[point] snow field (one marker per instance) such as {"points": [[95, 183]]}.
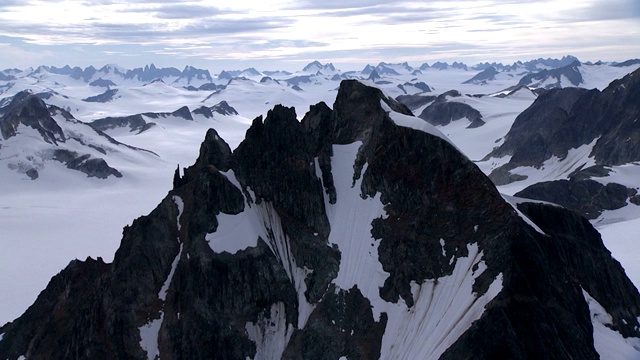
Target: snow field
{"points": [[609, 344]]}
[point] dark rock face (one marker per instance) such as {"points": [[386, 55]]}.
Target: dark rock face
{"points": [[134, 123], [483, 77], [104, 97], [102, 83], [85, 163], [587, 197], [564, 119], [279, 298], [29, 110], [571, 72], [86, 74], [442, 112], [414, 102], [184, 113], [151, 72], [223, 108]]}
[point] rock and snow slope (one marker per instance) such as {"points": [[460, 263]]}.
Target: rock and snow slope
{"points": [[364, 238]]}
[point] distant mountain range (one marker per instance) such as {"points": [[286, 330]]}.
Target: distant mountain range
{"points": [[359, 231], [472, 142]]}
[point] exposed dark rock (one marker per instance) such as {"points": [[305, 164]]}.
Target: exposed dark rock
{"points": [[184, 113], [588, 197], [629, 62], [543, 129], [150, 73], [414, 102], [93, 167], [590, 172], [102, 83], [134, 122], [106, 96], [373, 76], [190, 73], [32, 173], [211, 87], [29, 110], [422, 86], [341, 325], [575, 246], [440, 65], [571, 72], [441, 112], [483, 77], [564, 119], [297, 80], [204, 111], [503, 176], [223, 108], [318, 125], [85, 74]]}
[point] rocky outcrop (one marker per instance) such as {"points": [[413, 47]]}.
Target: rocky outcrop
{"points": [[483, 77], [543, 129], [106, 96], [414, 102], [29, 110], [223, 108], [588, 197], [135, 123], [93, 167], [570, 72], [563, 119], [343, 235], [441, 112], [61, 138], [100, 82]]}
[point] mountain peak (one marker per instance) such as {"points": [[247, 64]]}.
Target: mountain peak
{"points": [[347, 234]]}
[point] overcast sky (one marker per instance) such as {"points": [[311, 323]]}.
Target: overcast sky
{"points": [[273, 34]]}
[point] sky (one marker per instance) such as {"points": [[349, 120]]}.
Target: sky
{"points": [[286, 35]]}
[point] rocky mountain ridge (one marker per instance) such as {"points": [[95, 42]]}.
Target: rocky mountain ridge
{"points": [[604, 124], [60, 137], [325, 238]]}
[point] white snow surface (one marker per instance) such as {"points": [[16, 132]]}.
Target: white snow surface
{"points": [[514, 201], [623, 240], [414, 123], [180, 204], [149, 337], [609, 344], [237, 232], [162, 295], [271, 334]]}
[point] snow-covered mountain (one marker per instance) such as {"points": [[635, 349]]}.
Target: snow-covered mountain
{"points": [[89, 213], [35, 137], [572, 147], [358, 232]]}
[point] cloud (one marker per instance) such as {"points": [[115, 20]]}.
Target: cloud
{"points": [[172, 10], [278, 29]]}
